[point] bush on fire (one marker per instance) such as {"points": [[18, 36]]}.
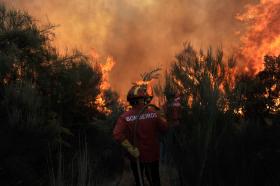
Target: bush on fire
{"points": [[47, 107], [229, 132], [230, 123]]}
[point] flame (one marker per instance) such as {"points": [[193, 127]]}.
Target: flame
{"points": [[106, 68], [277, 102], [141, 82], [178, 83], [239, 112], [94, 54], [262, 36]]}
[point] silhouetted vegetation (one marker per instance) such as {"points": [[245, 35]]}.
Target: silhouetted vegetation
{"points": [[51, 132], [229, 131], [47, 107]]}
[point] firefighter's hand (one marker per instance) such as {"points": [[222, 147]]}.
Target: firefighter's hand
{"points": [[162, 114], [133, 151]]}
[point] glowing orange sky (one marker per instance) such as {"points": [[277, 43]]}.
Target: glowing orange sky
{"points": [[138, 34]]}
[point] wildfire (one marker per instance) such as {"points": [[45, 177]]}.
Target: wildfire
{"points": [[263, 34], [106, 68], [277, 102], [178, 83], [239, 112], [94, 54]]}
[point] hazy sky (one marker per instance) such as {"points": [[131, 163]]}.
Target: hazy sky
{"points": [[139, 34]]}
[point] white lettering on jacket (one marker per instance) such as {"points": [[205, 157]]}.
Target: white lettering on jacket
{"points": [[142, 117]]}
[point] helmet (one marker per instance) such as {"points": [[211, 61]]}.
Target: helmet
{"points": [[140, 91]]}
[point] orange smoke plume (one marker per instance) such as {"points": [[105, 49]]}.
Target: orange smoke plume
{"points": [[262, 36], [140, 34]]}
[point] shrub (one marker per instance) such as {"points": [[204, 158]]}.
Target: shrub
{"points": [[220, 141]]}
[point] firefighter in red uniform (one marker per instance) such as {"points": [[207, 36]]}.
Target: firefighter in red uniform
{"points": [[173, 110], [138, 131]]}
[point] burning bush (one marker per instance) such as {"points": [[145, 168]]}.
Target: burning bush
{"points": [[47, 100], [228, 127]]}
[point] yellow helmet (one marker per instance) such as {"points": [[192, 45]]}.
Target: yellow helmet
{"points": [[140, 91]]}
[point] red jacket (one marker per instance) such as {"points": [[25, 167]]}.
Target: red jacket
{"points": [[173, 112], [149, 127]]}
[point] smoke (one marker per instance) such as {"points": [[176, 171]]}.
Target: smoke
{"points": [[138, 34]]}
